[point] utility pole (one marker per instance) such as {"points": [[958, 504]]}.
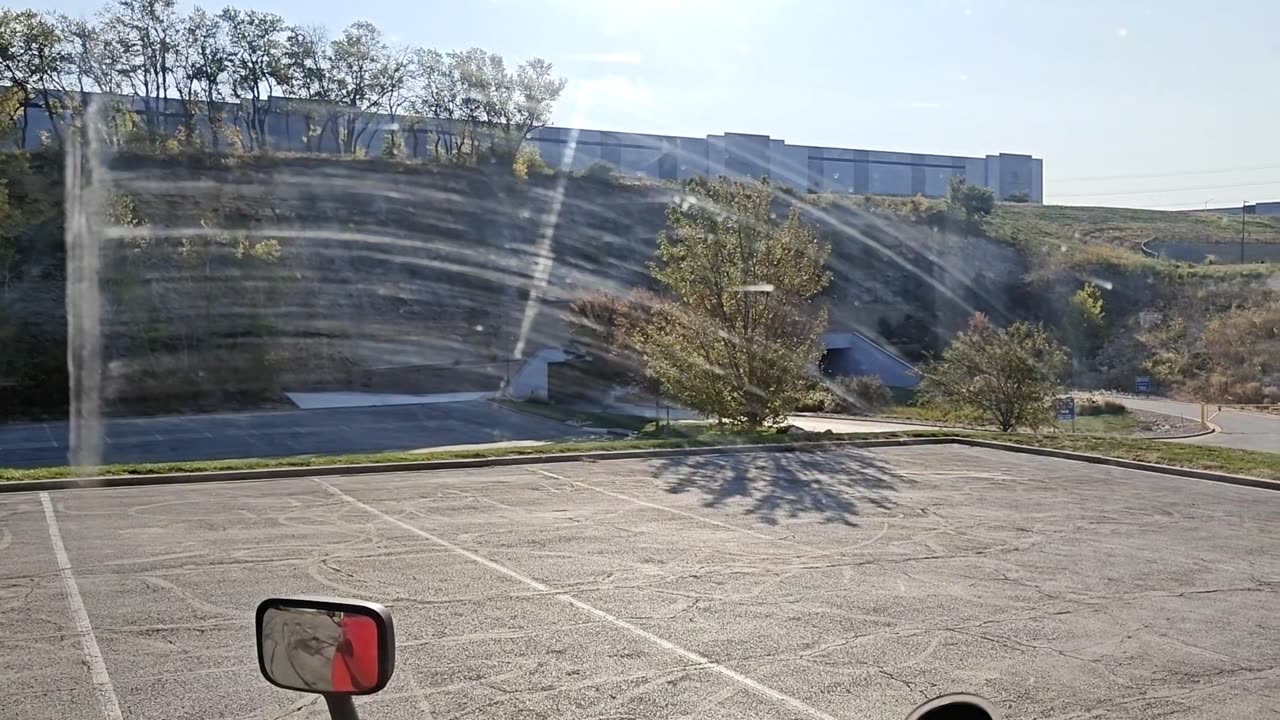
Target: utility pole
{"points": [[1243, 206]]}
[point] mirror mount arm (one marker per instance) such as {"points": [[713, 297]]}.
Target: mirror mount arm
{"points": [[341, 707]]}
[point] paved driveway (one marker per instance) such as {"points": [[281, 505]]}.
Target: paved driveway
{"points": [[843, 585], [290, 432], [1245, 430]]}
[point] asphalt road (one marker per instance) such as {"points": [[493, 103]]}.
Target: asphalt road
{"points": [[275, 434], [1245, 430], [846, 584]]}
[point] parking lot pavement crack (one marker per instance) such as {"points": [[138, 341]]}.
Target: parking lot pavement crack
{"points": [[1003, 640], [296, 708]]}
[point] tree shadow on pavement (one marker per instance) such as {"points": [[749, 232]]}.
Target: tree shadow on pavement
{"points": [[773, 486]]}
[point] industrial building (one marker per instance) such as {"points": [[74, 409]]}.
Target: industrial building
{"points": [[803, 168]]}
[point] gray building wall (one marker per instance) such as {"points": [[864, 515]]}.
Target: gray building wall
{"points": [[664, 157]]}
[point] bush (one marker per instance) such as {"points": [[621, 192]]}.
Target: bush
{"points": [[974, 202], [1104, 407], [863, 392], [599, 171], [529, 162], [1003, 377], [818, 398], [1018, 197]]}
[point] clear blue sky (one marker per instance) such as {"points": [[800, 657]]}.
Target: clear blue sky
{"points": [[1165, 88]]}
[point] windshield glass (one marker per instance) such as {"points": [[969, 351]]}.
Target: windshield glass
{"points": [[643, 359]]}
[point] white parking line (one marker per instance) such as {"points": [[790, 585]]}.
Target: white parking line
{"points": [[88, 642], [690, 655]]}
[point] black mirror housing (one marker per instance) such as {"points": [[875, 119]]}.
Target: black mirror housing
{"points": [[325, 645]]}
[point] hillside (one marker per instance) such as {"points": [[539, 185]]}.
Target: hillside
{"points": [[226, 280]]}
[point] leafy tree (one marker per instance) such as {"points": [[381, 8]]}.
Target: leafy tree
{"points": [[203, 67], [534, 93], [309, 79], [33, 58], [1005, 377], [256, 64], [740, 335], [472, 104], [1086, 326], [367, 76], [94, 59], [146, 35], [973, 202]]}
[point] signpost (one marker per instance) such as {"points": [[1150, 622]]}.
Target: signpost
{"points": [[1143, 384], [1067, 410]]}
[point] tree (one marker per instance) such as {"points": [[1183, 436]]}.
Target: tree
{"points": [[1006, 377], [256, 64], [973, 202], [145, 34], [33, 60], [528, 108], [309, 79], [1085, 324], [740, 334], [471, 104], [366, 74], [203, 64]]}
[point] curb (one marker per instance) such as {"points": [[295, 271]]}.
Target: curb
{"points": [[544, 418], [116, 481], [1209, 430], [1209, 475], [886, 419]]}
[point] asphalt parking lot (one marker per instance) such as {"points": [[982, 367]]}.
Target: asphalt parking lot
{"points": [[850, 584]]}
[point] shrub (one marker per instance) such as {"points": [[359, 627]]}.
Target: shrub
{"points": [[1004, 377], [528, 161], [863, 392], [599, 171], [818, 398], [974, 202], [1018, 197], [1104, 407]]}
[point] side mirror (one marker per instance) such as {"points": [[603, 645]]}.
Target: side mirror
{"points": [[956, 707], [325, 645]]}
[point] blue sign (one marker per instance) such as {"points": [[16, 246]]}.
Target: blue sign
{"points": [[1143, 384], [1067, 408]]}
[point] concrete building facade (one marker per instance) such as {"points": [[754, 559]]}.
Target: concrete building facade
{"points": [[804, 168], [290, 126]]}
